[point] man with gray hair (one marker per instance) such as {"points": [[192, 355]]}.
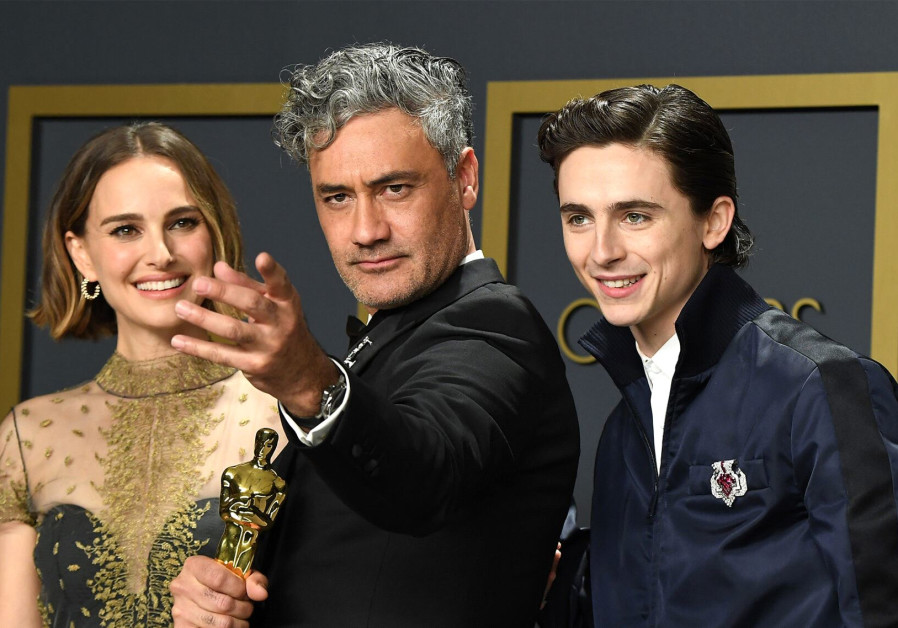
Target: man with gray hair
{"points": [[431, 469]]}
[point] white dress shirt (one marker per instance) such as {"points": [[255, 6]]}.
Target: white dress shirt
{"points": [[659, 369]]}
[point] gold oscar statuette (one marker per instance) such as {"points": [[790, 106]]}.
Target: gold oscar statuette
{"points": [[251, 495]]}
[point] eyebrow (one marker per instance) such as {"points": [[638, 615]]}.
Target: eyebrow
{"points": [[636, 203], [569, 208], [183, 209], [618, 206], [384, 179]]}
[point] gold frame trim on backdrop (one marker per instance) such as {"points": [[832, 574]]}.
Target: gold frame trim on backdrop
{"points": [[725, 93], [26, 103]]}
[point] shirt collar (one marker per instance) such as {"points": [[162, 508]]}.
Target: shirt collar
{"points": [[665, 358], [478, 254]]}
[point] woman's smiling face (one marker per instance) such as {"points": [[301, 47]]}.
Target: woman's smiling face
{"points": [[145, 240]]}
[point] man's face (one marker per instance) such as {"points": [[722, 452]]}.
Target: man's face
{"points": [[396, 224], [633, 238]]}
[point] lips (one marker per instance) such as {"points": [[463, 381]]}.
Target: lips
{"points": [[377, 264], [158, 286]]}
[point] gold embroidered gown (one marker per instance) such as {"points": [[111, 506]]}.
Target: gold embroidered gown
{"points": [[121, 477]]}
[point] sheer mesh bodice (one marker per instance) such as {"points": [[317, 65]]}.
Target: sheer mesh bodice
{"points": [[121, 478]]}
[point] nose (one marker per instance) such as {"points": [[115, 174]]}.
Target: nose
{"points": [[369, 224], [608, 245], [160, 250]]}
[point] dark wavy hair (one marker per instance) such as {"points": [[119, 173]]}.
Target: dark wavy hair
{"points": [[673, 123]]}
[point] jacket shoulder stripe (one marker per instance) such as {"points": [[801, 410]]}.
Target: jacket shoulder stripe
{"points": [[866, 471]]}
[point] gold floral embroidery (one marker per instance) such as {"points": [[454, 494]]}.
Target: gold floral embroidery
{"points": [[155, 448], [153, 457], [168, 375], [242, 398], [45, 612], [243, 422], [46, 422], [150, 607], [14, 502], [155, 451]]}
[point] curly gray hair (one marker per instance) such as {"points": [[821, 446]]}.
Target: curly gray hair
{"points": [[370, 78]]}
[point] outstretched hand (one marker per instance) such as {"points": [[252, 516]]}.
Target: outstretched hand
{"points": [[273, 346]]}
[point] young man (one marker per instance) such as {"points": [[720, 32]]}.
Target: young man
{"points": [[430, 470], [748, 477]]}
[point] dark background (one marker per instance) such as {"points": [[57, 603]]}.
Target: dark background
{"points": [[806, 177]]}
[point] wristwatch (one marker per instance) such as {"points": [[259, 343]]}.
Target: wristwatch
{"points": [[331, 397]]}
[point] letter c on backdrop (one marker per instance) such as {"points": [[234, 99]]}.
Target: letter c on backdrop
{"points": [[562, 330]]}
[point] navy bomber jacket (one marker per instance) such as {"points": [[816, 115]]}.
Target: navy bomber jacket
{"points": [[775, 505]]}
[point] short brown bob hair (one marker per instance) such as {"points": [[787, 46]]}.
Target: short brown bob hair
{"points": [[61, 307]]}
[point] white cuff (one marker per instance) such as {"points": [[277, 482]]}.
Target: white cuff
{"points": [[317, 434]]}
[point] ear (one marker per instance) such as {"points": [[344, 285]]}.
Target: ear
{"points": [[80, 256], [718, 221], [466, 176]]}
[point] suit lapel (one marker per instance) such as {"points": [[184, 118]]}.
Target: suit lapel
{"points": [[389, 324]]}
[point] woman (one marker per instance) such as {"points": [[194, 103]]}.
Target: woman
{"points": [[106, 488]]}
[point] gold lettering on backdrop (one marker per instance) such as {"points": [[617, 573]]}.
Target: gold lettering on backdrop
{"points": [[777, 304], [577, 358], [798, 306], [803, 303], [562, 330]]}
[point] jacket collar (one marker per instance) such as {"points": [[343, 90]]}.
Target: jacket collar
{"points": [[720, 306], [388, 324]]}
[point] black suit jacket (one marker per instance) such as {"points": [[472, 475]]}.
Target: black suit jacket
{"points": [[438, 497]]}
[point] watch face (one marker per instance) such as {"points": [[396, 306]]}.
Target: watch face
{"points": [[331, 397]]}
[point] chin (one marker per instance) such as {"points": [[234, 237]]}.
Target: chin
{"points": [[618, 319]]}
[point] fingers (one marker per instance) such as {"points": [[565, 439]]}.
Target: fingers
{"points": [[277, 283], [221, 325], [274, 348], [256, 586], [553, 572], [206, 593], [238, 291], [225, 273]]}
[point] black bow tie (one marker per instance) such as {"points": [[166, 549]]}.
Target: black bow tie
{"points": [[355, 329]]}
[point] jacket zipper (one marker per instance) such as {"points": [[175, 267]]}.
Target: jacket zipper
{"points": [[648, 448]]}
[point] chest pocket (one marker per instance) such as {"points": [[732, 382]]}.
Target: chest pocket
{"points": [[702, 475]]}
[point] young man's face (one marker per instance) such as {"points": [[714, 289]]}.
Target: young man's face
{"points": [[633, 238], [396, 224]]}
